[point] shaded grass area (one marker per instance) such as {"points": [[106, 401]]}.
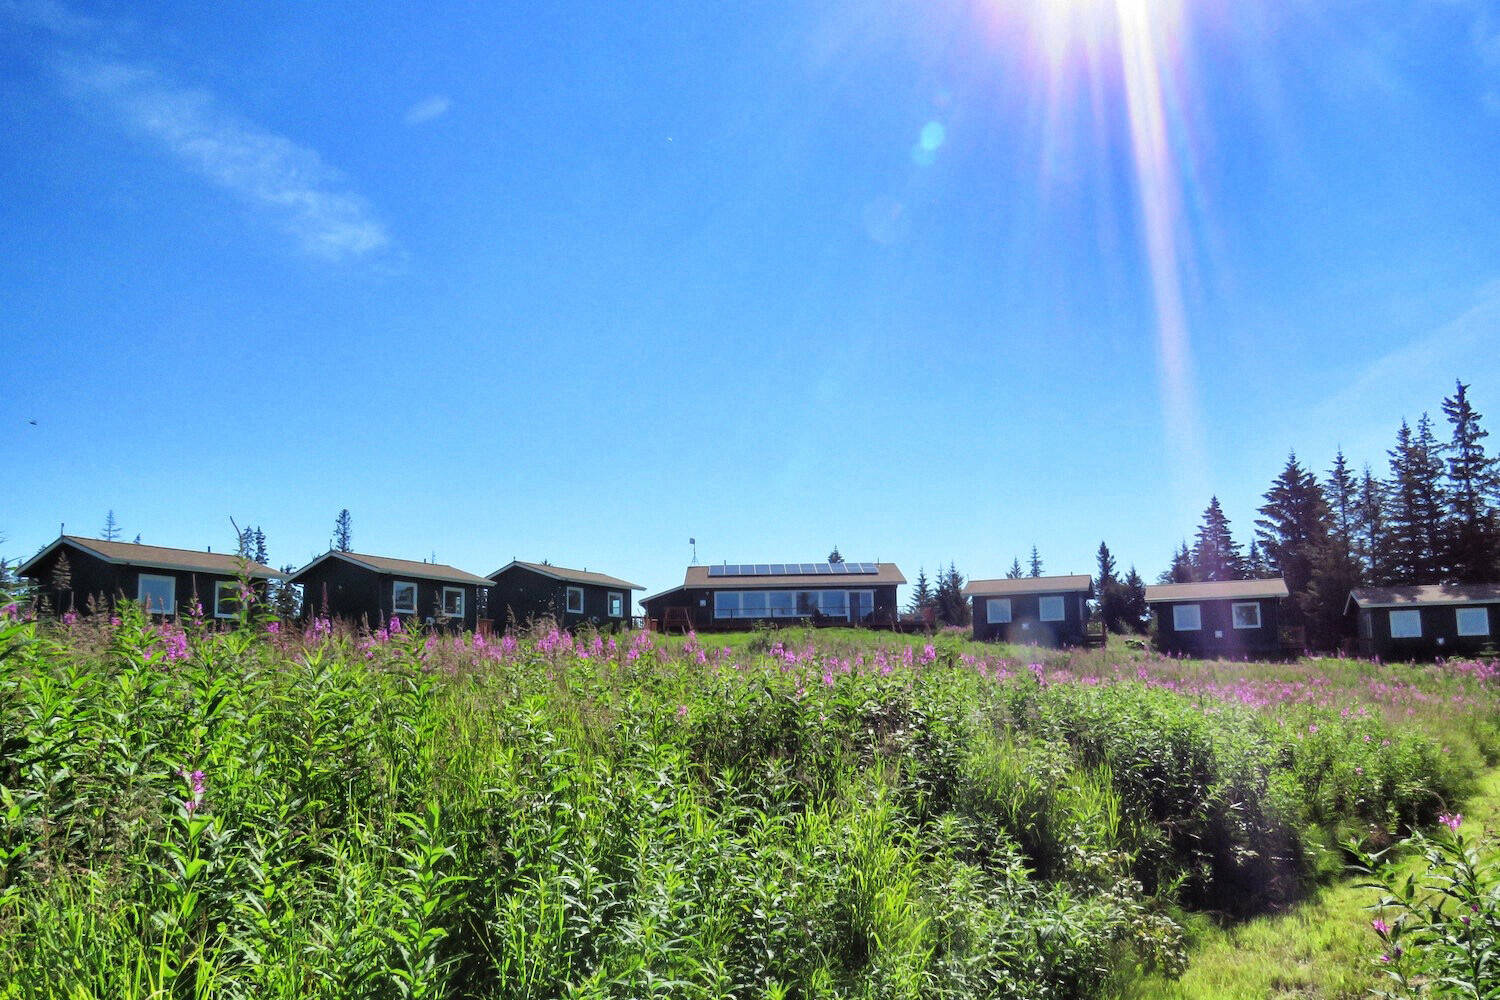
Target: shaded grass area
{"points": [[1324, 949], [264, 812]]}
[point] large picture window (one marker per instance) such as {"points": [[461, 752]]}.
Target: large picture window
{"points": [[453, 602], [1245, 615], [157, 594], [1473, 621], [403, 598], [1186, 618], [727, 604], [846, 604], [997, 611], [1050, 609], [1406, 624]]}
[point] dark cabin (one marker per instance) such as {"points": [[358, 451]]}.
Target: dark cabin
{"points": [[1229, 619], [521, 592], [1036, 611], [72, 571], [739, 596], [367, 590], [1424, 623]]}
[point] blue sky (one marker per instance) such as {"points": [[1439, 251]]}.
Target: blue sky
{"points": [[929, 281]]}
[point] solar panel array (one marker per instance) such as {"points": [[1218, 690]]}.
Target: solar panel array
{"points": [[794, 569]]}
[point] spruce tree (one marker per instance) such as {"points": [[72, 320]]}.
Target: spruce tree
{"points": [[343, 533], [260, 554], [1293, 532], [1342, 491], [1111, 594], [1473, 548], [1255, 562], [1036, 562], [1415, 508], [1216, 555], [1137, 611], [1015, 572], [1182, 569], [835, 557], [1370, 534], [922, 595], [952, 605], [111, 527]]}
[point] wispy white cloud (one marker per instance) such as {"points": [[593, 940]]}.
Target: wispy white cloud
{"points": [[307, 198], [284, 181], [1424, 368], [426, 110]]}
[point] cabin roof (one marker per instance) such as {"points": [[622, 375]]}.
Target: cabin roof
{"points": [[1430, 595], [884, 575], [398, 567], [1217, 590], [568, 575], [1029, 585], [158, 557]]}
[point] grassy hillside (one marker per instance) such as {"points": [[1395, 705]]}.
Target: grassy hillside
{"points": [[186, 812]]}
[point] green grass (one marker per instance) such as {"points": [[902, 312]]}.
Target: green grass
{"points": [[805, 814]]}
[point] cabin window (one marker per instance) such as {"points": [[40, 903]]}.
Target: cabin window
{"points": [[1186, 618], [575, 600], [782, 603], [616, 605], [226, 599], [453, 602], [1246, 615], [403, 598], [1051, 609], [834, 603], [157, 594], [997, 611], [1473, 621], [727, 604], [861, 604], [1406, 624], [753, 604]]}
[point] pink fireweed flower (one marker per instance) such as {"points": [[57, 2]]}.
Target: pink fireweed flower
{"points": [[69, 618], [273, 627], [929, 653], [196, 785], [1381, 927], [1452, 820], [682, 711], [827, 677], [395, 625]]}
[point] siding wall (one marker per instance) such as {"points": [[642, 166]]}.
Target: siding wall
{"points": [[1026, 627], [1218, 637], [106, 583], [522, 595], [1439, 636], [363, 598]]}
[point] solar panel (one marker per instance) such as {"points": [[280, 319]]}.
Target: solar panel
{"points": [[793, 569]]}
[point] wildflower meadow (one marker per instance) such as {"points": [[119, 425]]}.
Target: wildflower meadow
{"points": [[278, 810]]}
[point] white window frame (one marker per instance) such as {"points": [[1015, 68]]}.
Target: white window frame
{"points": [[726, 604], [572, 591], [1458, 619], [140, 596], [398, 609], [1051, 601], [1406, 615], [1234, 609], [997, 611], [234, 588], [615, 603], [1178, 621], [453, 590]]}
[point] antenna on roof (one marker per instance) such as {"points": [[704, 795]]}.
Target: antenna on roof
{"points": [[62, 528], [694, 543]]}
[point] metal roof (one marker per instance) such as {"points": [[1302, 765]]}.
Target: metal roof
{"points": [[159, 557], [1218, 590]]}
